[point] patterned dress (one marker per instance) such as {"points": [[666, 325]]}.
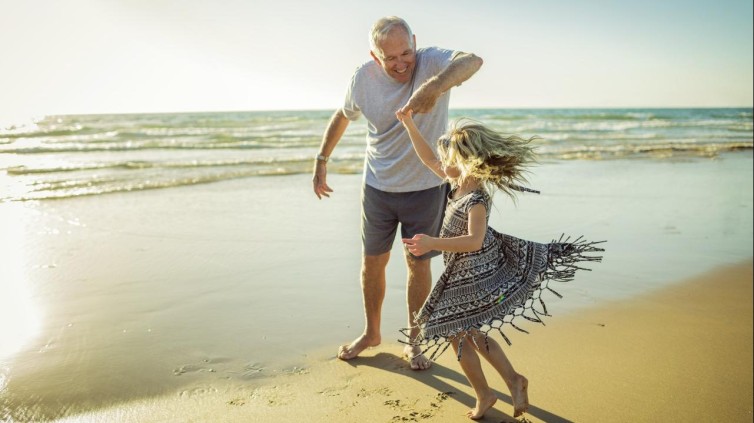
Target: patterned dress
{"points": [[489, 288]]}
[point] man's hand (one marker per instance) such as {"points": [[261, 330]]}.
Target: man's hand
{"points": [[461, 68], [423, 100], [320, 180], [419, 245]]}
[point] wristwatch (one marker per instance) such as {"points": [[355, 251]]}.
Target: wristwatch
{"points": [[322, 158]]}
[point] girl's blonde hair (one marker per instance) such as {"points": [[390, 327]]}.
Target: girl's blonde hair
{"points": [[497, 161]]}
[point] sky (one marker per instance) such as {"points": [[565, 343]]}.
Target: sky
{"points": [[124, 56]]}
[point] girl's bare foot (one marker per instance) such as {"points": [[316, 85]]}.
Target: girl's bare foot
{"points": [[347, 352], [482, 405], [416, 359], [520, 396]]}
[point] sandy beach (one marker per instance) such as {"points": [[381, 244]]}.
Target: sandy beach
{"points": [[676, 355], [226, 302]]}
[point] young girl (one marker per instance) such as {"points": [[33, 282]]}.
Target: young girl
{"points": [[489, 278]]}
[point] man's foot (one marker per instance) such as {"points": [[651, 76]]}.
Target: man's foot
{"points": [[482, 405], [347, 352], [416, 359], [520, 396]]}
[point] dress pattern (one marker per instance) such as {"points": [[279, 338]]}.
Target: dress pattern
{"points": [[493, 286]]}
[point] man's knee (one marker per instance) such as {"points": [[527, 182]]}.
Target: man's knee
{"points": [[375, 261], [417, 265], [374, 265]]}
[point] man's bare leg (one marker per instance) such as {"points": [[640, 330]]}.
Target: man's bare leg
{"points": [[417, 290], [373, 293]]}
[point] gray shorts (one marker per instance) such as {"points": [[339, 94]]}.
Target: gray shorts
{"points": [[418, 212]]}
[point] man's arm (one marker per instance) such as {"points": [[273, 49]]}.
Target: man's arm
{"points": [[335, 129], [461, 68]]}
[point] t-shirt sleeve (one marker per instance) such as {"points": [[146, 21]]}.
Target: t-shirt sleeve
{"points": [[351, 109], [438, 59], [477, 198]]}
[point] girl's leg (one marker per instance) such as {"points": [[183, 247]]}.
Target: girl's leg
{"points": [[517, 384], [472, 367]]}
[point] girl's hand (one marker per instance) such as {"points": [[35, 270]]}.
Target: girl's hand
{"points": [[419, 245], [405, 117]]}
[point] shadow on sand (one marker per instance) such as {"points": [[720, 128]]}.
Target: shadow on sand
{"points": [[436, 378]]}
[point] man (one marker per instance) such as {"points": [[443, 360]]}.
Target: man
{"points": [[397, 186]]}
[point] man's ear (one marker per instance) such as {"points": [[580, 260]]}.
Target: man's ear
{"points": [[374, 56]]}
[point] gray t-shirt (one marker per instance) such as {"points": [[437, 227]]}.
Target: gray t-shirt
{"points": [[391, 164]]}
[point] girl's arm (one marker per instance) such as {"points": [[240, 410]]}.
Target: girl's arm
{"points": [[421, 244], [425, 153]]}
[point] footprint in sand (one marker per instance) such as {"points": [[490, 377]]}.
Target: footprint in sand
{"points": [[273, 396], [251, 370], [397, 404], [413, 413], [237, 402], [363, 393], [334, 391], [295, 370], [209, 365], [198, 391], [413, 416], [442, 396], [189, 368]]}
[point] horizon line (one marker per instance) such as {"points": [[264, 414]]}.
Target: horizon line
{"points": [[450, 109]]}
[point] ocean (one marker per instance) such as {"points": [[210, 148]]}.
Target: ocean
{"points": [[67, 156]]}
